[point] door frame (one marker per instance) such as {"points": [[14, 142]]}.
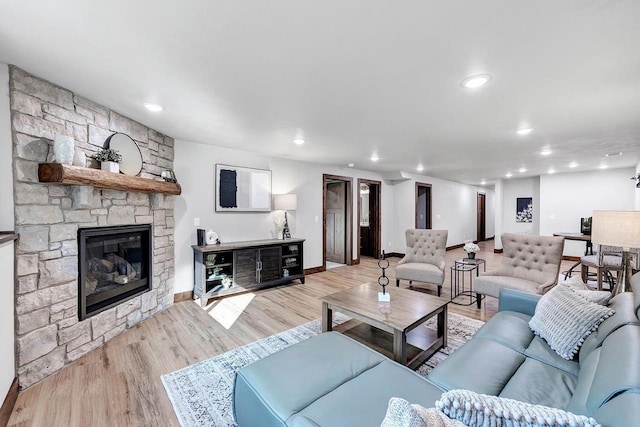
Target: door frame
{"points": [[348, 220], [430, 223], [377, 232], [481, 223]]}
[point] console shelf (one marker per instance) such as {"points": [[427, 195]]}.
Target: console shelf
{"points": [[57, 173]]}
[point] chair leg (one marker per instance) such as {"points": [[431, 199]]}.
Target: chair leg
{"points": [[584, 272], [600, 274], [439, 290], [397, 283], [479, 300]]}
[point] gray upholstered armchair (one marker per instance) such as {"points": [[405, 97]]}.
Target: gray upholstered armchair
{"points": [[529, 264], [424, 258]]}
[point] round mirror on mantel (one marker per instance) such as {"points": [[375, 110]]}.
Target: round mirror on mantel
{"points": [[131, 163]]}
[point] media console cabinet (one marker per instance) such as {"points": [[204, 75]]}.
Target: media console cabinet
{"points": [[229, 268]]}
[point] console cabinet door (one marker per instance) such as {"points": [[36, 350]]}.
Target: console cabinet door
{"points": [[269, 264], [245, 267]]}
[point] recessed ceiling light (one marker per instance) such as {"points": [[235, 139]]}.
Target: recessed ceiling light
{"points": [[351, 165], [619, 153], [603, 166], [476, 81], [299, 141], [483, 182], [508, 175], [546, 151], [551, 171], [573, 165], [420, 168], [524, 131], [156, 108], [522, 170], [375, 158]]}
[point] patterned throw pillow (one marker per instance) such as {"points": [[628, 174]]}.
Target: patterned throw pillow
{"points": [[480, 410], [401, 413], [564, 319]]}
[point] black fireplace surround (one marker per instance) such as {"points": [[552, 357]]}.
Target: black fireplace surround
{"points": [[114, 265]]}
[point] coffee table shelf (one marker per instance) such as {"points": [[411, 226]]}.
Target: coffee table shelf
{"points": [[392, 329]]}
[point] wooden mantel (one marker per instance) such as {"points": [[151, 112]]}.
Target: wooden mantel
{"points": [[57, 173]]}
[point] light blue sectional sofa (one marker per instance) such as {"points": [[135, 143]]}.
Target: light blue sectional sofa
{"points": [[331, 380]]}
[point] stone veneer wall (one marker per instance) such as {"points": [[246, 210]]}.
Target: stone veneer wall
{"points": [[47, 217]]}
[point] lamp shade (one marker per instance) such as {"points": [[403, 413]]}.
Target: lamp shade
{"points": [[285, 202], [616, 228]]}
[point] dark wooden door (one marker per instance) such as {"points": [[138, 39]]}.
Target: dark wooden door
{"points": [[481, 217], [423, 205], [336, 217]]}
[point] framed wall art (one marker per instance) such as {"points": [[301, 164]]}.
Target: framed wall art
{"points": [[524, 209], [240, 189]]}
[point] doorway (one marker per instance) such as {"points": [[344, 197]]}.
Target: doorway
{"points": [[481, 217], [423, 205], [369, 227], [337, 220]]}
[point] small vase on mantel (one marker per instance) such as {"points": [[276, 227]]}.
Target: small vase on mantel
{"points": [[110, 167]]}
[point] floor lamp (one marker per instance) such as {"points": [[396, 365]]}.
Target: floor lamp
{"points": [[618, 228], [285, 202]]}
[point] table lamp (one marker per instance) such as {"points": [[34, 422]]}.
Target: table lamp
{"points": [[618, 228], [285, 202]]}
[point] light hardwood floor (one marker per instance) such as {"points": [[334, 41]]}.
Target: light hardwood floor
{"points": [[119, 384]]}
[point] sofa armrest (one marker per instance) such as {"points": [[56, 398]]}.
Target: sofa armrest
{"points": [[521, 302]]}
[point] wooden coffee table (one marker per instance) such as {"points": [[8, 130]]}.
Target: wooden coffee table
{"points": [[396, 324]]}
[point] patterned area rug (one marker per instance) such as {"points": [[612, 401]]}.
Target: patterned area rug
{"points": [[201, 393]]}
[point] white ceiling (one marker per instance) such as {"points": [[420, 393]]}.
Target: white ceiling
{"points": [[356, 77]]}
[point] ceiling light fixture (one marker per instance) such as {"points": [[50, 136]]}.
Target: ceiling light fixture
{"points": [[508, 174], [375, 158], [420, 168], [522, 170], [524, 131], [619, 153], [155, 108], [476, 81], [483, 182], [573, 165], [351, 165], [551, 171], [299, 141], [546, 151], [603, 166]]}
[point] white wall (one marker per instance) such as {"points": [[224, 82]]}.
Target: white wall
{"points": [[454, 208], [568, 197], [490, 213], [6, 147], [194, 167], [7, 352], [512, 189], [637, 197]]}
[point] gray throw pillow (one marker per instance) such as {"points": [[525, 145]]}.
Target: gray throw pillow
{"points": [[564, 319], [401, 413], [599, 297], [480, 410]]}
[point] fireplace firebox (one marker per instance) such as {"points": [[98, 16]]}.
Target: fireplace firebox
{"points": [[114, 265]]}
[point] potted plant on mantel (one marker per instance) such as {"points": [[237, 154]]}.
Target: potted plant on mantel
{"points": [[109, 159]]}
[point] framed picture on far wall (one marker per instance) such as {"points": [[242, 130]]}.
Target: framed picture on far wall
{"points": [[239, 189], [524, 209]]}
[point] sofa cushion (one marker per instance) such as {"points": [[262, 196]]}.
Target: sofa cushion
{"points": [[420, 272], [622, 410], [272, 389], [553, 387], [481, 365], [482, 410], [539, 350], [508, 328], [564, 319], [363, 400]]}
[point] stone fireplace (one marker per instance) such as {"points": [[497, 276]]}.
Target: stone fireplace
{"points": [[114, 265], [51, 330]]}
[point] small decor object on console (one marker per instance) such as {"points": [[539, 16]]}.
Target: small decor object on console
{"points": [[109, 159], [212, 238], [471, 248], [383, 280], [63, 148]]}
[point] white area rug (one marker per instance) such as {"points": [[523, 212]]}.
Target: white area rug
{"points": [[201, 394]]}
